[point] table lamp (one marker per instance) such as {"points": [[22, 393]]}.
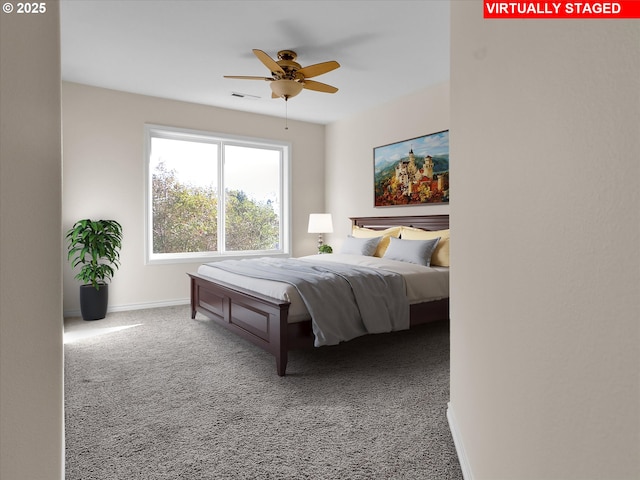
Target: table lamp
{"points": [[320, 223]]}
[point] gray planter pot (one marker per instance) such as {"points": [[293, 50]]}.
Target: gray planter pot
{"points": [[93, 303]]}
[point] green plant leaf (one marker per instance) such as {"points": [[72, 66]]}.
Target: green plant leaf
{"points": [[95, 246]]}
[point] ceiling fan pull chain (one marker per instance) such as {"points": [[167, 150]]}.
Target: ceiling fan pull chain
{"points": [[286, 114]]}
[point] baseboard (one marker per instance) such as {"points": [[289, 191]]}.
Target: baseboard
{"points": [[134, 306], [457, 440]]}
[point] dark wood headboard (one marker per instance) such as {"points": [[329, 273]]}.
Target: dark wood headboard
{"points": [[425, 222]]}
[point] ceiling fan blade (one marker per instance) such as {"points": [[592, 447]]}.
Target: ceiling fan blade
{"points": [[319, 87], [269, 62], [318, 69], [244, 77]]}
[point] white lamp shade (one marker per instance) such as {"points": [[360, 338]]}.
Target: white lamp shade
{"points": [[320, 223]]}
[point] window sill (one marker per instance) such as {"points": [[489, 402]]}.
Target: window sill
{"points": [[208, 258]]}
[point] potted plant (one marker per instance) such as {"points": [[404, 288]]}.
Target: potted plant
{"points": [[324, 248], [94, 246]]}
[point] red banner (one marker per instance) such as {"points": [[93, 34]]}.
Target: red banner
{"points": [[561, 9]]}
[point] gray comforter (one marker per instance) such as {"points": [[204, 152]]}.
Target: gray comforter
{"points": [[344, 301]]}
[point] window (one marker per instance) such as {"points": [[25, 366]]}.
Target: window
{"points": [[214, 196]]}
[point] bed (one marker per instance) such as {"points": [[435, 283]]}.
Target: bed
{"points": [[274, 324]]}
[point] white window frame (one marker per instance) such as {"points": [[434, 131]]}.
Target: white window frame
{"points": [[174, 133]]}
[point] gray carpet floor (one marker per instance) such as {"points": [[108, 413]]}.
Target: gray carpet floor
{"points": [[174, 398]]}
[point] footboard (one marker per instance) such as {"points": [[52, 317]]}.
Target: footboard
{"points": [[260, 319]]}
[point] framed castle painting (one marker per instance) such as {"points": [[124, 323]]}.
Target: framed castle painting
{"points": [[412, 172]]}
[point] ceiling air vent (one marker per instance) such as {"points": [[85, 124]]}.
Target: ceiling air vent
{"points": [[244, 95]]}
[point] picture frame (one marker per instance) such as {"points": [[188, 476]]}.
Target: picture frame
{"points": [[412, 172]]}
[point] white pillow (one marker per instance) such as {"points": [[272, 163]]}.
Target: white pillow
{"points": [[411, 251], [361, 232], [360, 246], [440, 256]]}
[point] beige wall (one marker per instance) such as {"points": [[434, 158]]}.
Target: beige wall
{"points": [[104, 178], [545, 287], [31, 369], [349, 159]]}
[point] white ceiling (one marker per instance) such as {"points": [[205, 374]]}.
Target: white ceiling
{"points": [[180, 49]]}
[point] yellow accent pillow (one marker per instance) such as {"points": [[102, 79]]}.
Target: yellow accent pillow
{"points": [[360, 232], [440, 256]]}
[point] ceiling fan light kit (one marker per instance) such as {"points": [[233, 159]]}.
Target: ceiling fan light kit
{"points": [[286, 88]]}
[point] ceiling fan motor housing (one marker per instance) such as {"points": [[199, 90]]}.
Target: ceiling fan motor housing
{"points": [[287, 63]]}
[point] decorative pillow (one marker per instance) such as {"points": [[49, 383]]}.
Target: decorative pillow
{"points": [[360, 246], [440, 256], [412, 251], [384, 235]]}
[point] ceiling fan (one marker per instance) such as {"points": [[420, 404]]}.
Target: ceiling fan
{"points": [[288, 77]]}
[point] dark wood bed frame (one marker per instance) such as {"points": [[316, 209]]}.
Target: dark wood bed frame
{"points": [[264, 320]]}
